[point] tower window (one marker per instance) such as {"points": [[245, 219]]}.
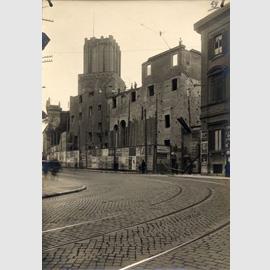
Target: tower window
{"points": [[80, 99], [133, 96], [167, 121], [151, 90], [175, 60], [174, 84], [148, 70], [99, 107], [114, 102]]}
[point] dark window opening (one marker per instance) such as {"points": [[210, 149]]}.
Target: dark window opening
{"points": [[75, 141], [80, 116], [99, 107], [217, 168], [167, 142], [217, 86], [133, 96], [167, 121], [151, 90], [72, 118], [114, 102], [80, 99], [99, 125], [91, 93], [174, 84], [90, 136]]}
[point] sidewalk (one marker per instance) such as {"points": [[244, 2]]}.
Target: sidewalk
{"points": [[198, 176], [56, 186]]}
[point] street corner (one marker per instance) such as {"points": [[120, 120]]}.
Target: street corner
{"points": [[53, 186]]}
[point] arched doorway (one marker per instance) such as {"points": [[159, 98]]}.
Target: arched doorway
{"points": [[123, 128]]}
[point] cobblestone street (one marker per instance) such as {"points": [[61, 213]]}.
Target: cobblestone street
{"points": [[131, 221]]}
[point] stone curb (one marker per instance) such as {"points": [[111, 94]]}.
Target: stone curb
{"points": [[63, 192], [203, 177], [151, 174]]}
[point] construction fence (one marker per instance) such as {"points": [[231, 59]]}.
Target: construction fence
{"points": [[125, 158]]}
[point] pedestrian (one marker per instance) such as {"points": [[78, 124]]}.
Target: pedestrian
{"points": [[143, 166], [227, 169]]}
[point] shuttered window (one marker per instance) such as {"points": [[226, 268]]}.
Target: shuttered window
{"points": [[216, 140], [218, 45]]}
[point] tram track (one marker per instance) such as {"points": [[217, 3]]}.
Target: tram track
{"points": [[215, 230], [208, 196]]}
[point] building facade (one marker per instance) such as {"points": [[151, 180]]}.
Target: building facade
{"points": [[148, 115], [159, 121], [89, 112], [215, 95], [55, 131]]}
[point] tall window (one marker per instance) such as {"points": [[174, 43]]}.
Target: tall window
{"points": [[90, 111], [99, 107], [151, 90], [80, 116], [114, 102], [167, 121], [217, 86], [99, 125], [80, 99], [174, 84], [148, 70], [90, 136], [175, 60], [218, 45], [216, 140], [72, 118], [133, 96]]}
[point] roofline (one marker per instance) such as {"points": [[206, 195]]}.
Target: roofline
{"points": [[169, 51], [201, 24]]}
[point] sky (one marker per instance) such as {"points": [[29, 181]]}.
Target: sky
{"points": [[134, 24]]}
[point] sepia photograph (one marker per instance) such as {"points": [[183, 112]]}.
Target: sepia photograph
{"points": [[135, 134]]}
